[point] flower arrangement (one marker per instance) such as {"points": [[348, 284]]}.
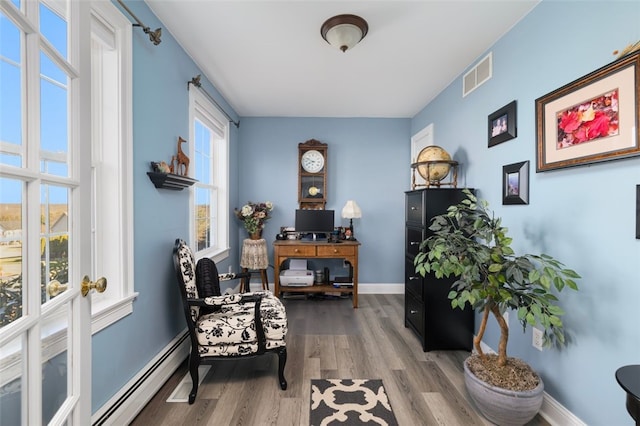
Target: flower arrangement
{"points": [[254, 215], [594, 119]]}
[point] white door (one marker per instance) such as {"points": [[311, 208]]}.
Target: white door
{"points": [[45, 212]]}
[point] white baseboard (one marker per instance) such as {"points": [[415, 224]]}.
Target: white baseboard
{"points": [[381, 288], [552, 411], [556, 414], [125, 405], [363, 288]]}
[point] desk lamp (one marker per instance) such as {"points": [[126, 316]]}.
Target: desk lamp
{"points": [[351, 211]]}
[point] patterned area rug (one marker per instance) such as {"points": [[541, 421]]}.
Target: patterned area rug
{"points": [[350, 402]]}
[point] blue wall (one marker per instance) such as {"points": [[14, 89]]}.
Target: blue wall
{"points": [[584, 216], [367, 163]]}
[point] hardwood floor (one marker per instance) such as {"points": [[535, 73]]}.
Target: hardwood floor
{"points": [[329, 339]]}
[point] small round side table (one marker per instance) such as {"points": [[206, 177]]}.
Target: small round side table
{"points": [[628, 378], [254, 256]]}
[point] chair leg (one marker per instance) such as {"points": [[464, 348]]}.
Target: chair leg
{"points": [[193, 369], [282, 360]]}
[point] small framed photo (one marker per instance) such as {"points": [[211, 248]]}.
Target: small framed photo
{"points": [[502, 124], [515, 183]]}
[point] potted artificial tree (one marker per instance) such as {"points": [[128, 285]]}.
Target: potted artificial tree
{"points": [[471, 244]]}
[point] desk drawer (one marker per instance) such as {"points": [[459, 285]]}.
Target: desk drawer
{"points": [[413, 238], [413, 281], [297, 251], [414, 206], [336, 250], [414, 314]]}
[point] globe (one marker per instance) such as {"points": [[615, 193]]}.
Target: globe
{"points": [[433, 172]]}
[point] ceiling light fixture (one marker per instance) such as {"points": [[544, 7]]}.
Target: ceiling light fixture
{"points": [[344, 31]]}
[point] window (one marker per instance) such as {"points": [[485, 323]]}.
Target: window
{"points": [[209, 143], [37, 144], [37, 165], [111, 76]]}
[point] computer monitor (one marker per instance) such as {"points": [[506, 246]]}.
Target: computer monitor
{"points": [[314, 222]]}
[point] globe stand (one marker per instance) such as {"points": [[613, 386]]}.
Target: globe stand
{"points": [[421, 166]]}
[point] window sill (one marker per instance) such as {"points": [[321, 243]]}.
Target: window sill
{"points": [[216, 255], [105, 314], [54, 343]]}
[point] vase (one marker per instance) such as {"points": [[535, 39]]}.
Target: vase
{"points": [[502, 406], [255, 235]]}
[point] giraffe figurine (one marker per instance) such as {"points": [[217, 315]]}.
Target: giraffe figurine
{"points": [[181, 160]]}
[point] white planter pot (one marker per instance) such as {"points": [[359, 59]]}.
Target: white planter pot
{"points": [[502, 406]]}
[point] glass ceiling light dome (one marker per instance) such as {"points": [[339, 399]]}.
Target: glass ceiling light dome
{"points": [[344, 31]]}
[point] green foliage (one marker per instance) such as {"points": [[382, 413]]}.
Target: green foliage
{"points": [[469, 243], [59, 247], [10, 300]]}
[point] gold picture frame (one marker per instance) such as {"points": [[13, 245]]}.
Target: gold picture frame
{"points": [[592, 119]]}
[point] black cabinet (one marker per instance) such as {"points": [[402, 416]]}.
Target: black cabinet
{"points": [[428, 310]]}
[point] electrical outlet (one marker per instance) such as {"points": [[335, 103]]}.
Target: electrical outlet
{"points": [[537, 340]]}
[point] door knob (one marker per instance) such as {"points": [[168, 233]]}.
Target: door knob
{"points": [[55, 287], [100, 285]]}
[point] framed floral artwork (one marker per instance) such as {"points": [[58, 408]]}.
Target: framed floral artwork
{"points": [[592, 119], [502, 124], [515, 183]]}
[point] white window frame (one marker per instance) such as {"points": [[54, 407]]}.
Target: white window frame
{"points": [[202, 109], [117, 302], [112, 170]]}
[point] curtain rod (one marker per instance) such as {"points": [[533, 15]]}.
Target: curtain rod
{"points": [[154, 36], [196, 82]]}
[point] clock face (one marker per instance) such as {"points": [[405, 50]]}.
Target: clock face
{"points": [[312, 161]]}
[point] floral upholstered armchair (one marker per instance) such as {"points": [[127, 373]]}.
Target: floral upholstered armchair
{"points": [[226, 326]]}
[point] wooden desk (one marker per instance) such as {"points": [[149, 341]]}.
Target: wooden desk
{"points": [[295, 249]]}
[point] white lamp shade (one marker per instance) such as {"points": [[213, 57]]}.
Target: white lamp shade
{"points": [[351, 210]]}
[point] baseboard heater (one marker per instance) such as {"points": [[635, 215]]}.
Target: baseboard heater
{"points": [[112, 412]]}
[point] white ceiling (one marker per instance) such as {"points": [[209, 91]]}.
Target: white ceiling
{"points": [[267, 58]]}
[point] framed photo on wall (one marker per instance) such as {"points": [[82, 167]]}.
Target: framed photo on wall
{"points": [[515, 183], [592, 119], [502, 124]]}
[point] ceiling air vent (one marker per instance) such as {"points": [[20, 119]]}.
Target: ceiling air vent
{"points": [[477, 75]]}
